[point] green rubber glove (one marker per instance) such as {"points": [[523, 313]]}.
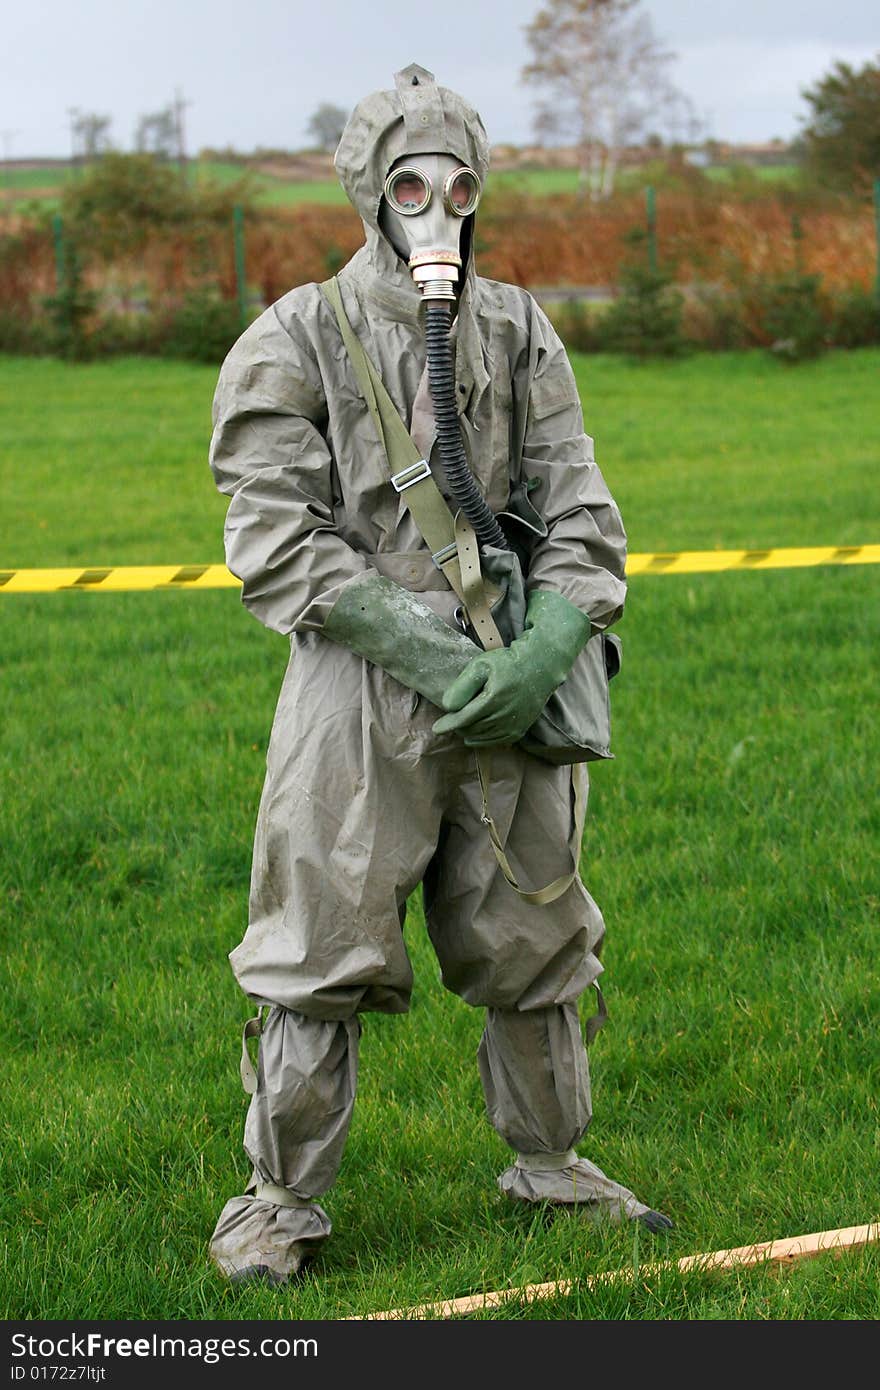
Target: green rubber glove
{"points": [[389, 626], [501, 693]]}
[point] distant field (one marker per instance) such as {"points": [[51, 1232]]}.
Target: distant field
{"points": [[767, 173], [50, 177], [19, 187], [731, 844], [540, 182], [274, 190]]}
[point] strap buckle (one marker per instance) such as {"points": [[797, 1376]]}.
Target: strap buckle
{"points": [[446, 552], [413, 473]]}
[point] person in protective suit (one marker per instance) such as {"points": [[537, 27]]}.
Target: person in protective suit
{"points": [[371, 789]]}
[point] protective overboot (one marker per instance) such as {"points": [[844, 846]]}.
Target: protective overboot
{"points": [[260, 1238], [569, 1181]]}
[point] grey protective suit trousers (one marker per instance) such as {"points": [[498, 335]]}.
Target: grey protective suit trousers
{"points": [[362, 803]]}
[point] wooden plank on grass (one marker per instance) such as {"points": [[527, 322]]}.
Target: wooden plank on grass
{"points": [[766, 1252]]}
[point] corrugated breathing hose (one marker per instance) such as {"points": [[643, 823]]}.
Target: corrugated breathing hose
{"points": [[441, 381]]}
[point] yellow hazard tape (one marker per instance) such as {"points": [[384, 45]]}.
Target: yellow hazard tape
{"points": [[116, 579], [713, 561]]}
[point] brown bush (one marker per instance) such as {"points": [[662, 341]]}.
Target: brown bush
{"points": [[295, 247], [560, 240], [27, 267], [712, 241]]}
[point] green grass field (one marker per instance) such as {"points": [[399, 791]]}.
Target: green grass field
{"points": [[271, 190], [21, 180], [765, 173], [732, 846]]}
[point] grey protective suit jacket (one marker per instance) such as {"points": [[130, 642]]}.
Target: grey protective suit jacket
{"points": [[295, 447]]}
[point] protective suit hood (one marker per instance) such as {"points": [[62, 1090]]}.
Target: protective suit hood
{"points": [[418, 117]]}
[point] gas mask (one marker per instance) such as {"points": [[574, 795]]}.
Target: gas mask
{"points": [[427, 198]]}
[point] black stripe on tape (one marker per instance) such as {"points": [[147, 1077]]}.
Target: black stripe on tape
{"points": [[754, 557], [188, 573], [6, 575], [662, 562], [89, 577], [846, 552]]}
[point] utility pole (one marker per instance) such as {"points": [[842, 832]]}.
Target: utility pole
{"points": [[7, 136], [179, 105], [73, 114], [651, 209]]}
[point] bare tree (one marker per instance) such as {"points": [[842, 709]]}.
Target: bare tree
{"points": [[326, 125], [7, 137], [604, 74], [90, 134], [158, 132], [180, 105]]}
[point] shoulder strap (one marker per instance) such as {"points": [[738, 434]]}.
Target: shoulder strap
{"points": [[410, 473], [539, 896], [453, 544]]}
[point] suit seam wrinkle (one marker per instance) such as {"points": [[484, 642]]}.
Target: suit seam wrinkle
{"points": [[295, 342]]}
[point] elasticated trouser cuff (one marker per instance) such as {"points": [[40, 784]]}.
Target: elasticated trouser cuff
{"points": [[546, 1163], [280, 1196], [579, 1184], [257, 1234]]}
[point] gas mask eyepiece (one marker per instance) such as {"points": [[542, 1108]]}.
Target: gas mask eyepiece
{"points": [[425, 229]]}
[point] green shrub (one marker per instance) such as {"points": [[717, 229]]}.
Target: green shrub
{"points": [[203, 328], [69, 309], [23, 336], [713, 318], [334, 259], [129, 335], [115, 205], [855, 319], [578, 327], [645, 321], [794, 318]]}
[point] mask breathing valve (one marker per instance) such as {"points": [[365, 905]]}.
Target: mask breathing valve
{"points": [[435, 289]]}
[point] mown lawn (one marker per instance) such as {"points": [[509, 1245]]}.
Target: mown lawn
{"points": [[732, 846]]}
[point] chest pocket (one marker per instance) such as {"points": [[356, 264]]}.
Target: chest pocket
{"points": [[549, 395]]}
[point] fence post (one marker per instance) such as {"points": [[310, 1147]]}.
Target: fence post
{"points": [[58, 240], [877, 235], [797, 241], [651, 208], [240, 283]]}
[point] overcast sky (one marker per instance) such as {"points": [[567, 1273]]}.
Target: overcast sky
{"points": [[252, 73]]}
